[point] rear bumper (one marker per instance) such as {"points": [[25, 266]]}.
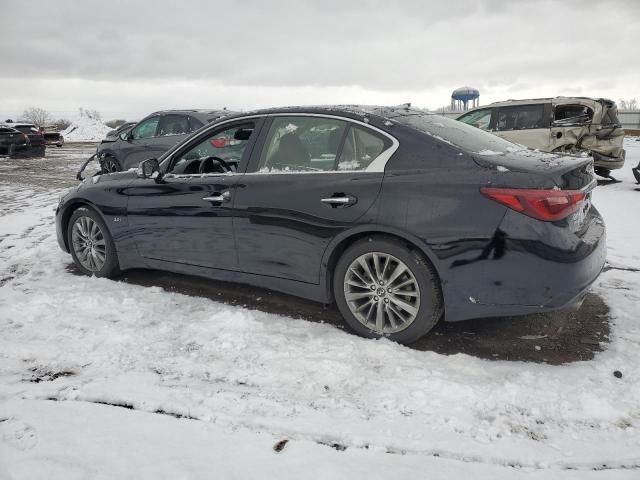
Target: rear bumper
{"points": [[531, 267]]}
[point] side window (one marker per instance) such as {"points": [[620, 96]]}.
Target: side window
{"points": [[221, 149], [572, 114], [521, 117], [194, 124], [146, 129], [302, 144], [479, 119], [173, 124], [361, 147]]}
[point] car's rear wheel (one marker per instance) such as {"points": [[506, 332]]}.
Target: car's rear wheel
{"points": [[384, 289], [91, 245], [110, 164]]}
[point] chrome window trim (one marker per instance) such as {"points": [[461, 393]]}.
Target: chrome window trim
{"points": [[376, 166]]}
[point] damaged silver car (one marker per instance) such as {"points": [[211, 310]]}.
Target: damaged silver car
{"points": [[560, 124]]}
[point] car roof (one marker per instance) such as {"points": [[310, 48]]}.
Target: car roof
{"points": [[196, 112], [18, 124], [535, 101], [356, 112]]}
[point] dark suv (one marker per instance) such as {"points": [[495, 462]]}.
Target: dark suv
{"points": [[151, 137], [36, 141]]}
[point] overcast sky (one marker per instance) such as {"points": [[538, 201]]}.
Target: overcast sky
{"points": [[127, 58]]}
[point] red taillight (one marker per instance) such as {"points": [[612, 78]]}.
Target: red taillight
{"points": [[546, 205]]}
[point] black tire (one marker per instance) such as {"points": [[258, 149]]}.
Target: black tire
{"points": [[110, 164], [110, 267], [430, 307]]}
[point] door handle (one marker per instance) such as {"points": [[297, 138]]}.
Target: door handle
{"points": [[218, 197], [339, 201]]}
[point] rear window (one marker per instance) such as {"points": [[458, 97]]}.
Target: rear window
{"points": [[458, 134]]}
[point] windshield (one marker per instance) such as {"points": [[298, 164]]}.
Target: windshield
{"points": [[453, 132]]}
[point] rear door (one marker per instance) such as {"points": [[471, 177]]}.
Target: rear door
{"points": [[309, 178], [524, 124]]}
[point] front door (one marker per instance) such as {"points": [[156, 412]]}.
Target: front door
{"points": [[306, 184], [186, 217], [136, 144]]}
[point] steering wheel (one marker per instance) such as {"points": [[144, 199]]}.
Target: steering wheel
{"points": [[208, 163]]}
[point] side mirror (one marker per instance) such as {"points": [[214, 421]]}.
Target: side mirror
{"points": [[149, 168]]}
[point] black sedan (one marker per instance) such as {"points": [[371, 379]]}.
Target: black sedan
{"points": [[151, 137], [13, 141], [399, 216]]}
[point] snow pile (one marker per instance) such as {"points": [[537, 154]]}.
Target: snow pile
{"points": [[87, 128]]}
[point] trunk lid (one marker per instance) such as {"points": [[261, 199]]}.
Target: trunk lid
{"points": [[567, 172]]}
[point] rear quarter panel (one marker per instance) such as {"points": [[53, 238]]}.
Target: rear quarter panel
{"points": [[431, 190]]}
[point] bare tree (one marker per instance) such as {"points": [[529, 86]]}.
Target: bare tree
{"points": [[37, 116], [92, 114], [628, 104], [61, 123]]}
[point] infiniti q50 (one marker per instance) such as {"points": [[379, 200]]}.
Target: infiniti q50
{"points": [[399, 216]]}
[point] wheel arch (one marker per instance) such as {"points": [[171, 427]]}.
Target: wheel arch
{"points": [[71, 207], [341, 242]]}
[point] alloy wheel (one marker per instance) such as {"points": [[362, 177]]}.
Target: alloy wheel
{"points": [[88, 243], [109, 165], [382, 293]]}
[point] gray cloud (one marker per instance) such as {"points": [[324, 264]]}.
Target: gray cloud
{"points": [[394, 47]]}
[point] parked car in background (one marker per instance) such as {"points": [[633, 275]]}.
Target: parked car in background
{"points": [[36, 138], [151, 137], [13, 141], [561, 124], [53, 137], [395, 214]]}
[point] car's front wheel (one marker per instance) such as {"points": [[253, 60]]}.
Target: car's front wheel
{"points": [[91, 245], [384, 289], [110, 164]]}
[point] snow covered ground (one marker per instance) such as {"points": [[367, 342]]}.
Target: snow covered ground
{"points": [[104, 379]]}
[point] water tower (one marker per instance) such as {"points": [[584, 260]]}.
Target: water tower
{"points": [[464, 98]]}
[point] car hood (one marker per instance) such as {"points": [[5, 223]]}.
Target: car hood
{"points": [[120, 177]]}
